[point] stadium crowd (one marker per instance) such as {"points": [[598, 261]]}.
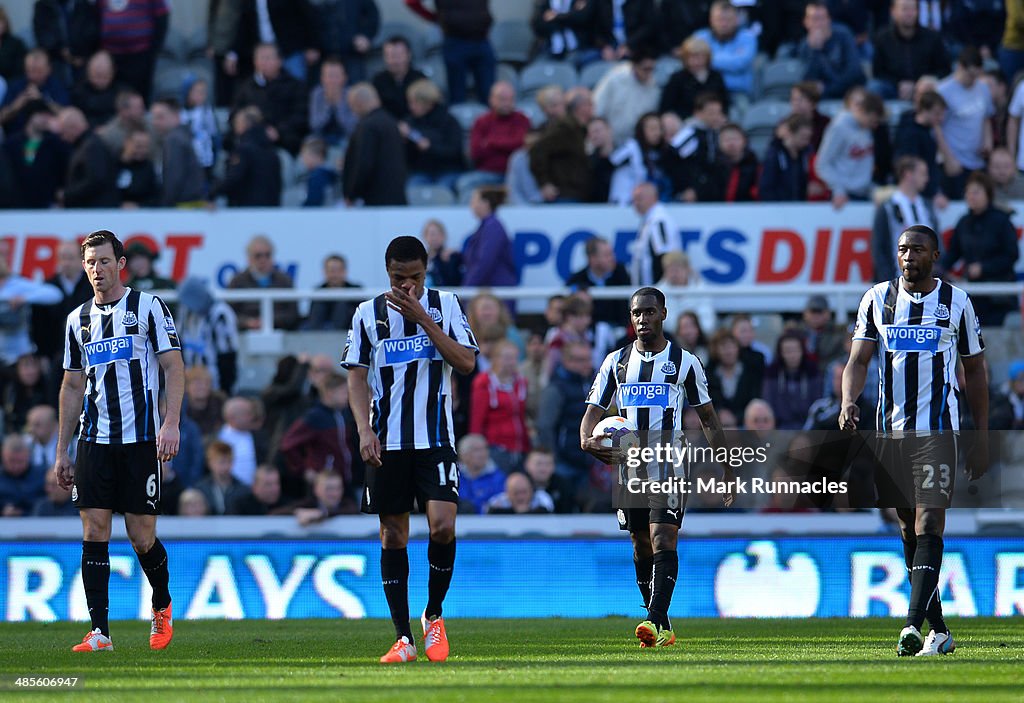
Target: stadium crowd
{"points": [[598, 96], [84, 126]]}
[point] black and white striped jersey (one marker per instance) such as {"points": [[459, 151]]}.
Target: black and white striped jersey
{"points": [[658, 235], [410, 382], [117, 348], [205, 337], [919, 338], [650, 389]]}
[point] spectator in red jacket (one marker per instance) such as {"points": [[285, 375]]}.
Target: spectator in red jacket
{"points": [[498, 408], [496, 134], [317, 442]]}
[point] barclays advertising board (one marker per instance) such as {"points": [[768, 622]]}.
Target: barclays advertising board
{"points": [[729, 577]]}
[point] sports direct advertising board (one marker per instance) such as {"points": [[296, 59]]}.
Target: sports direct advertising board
{"points": [[521, 578], [729, 244]]}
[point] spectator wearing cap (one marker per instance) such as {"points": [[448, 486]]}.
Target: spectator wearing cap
{"points": [[733, 48], [141, 275], [967, 128], [182, 178], [38, 83], [92, 168], [38, 157], [96, 92], [824, 339]]}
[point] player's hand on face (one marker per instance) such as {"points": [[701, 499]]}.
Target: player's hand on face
{"points": [[404, 303], [606, 455], [65, 470], [369, 450], [167, 440], [849, 416]]}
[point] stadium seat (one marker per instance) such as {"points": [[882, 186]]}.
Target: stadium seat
{"points": [[433, 68], [293, 196], [664, 68], [429, 196], [759, 123], [169, 79], [544, 73], [223, 117], [467, 113], [507, 72], [594, 72], [895, 108], [175, 46], [468, 182], [830, 108], [195, 45], [288, 168], [533, 111], [513, 41], [432, 38], [778, 76]]}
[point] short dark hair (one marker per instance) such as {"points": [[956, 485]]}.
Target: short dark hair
{"points": [[494, 195], [985, 181], [905, 164], [315, 145], [649, 290], [123, 97], [706, 98], [926, 231], [101, 237], [808, 89], [576, 307], [818, 3], [733, 127], [336, 257], [929, 100], [794, 123], [399, 39], [333, 59], [405, 248], [170, 102], [970, 57], [593, 243], [873, 104]]}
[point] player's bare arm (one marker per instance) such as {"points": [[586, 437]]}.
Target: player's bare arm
{"points": [[592, 445], [72, 391], [168, 437], [854, 376], [461, 358], [715, 434], [976, 385], [359, 399]]}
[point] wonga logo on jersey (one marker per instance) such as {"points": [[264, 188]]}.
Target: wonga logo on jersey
{"points": [[104, 351], [406, 349], [912, 338], [643, 395]]}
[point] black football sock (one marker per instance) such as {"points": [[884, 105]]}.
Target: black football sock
{"points": [[96, 579], [154, 565], [643, 577], [924, 577], [666, 568], [394, 574], [442, 564], [934, 614]]}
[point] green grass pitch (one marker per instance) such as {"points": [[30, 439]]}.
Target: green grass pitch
{"points": [[522, 660]]}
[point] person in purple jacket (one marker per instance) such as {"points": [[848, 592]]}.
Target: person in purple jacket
{"points": [[487, 253]]}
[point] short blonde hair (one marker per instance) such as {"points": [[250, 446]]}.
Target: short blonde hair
{"points": [[424, 91], [695, 45]]}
